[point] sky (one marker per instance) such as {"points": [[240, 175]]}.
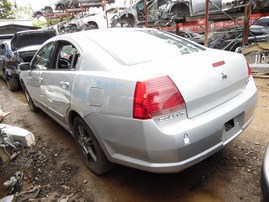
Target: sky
{"points": [[35, 4]]}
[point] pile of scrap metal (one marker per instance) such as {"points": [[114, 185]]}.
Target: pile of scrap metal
{"points": [[12, 140], [257, 54]]}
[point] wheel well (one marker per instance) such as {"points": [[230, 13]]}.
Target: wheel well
{"points": [[93, 23], [71, 117], [181, 8], [128, 17]]}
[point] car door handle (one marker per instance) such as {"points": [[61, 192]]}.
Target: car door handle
{"points": [[40, 79], [64, 84]]}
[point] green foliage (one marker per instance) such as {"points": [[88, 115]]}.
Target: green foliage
{"points": [[40, 23], [6, 10]]}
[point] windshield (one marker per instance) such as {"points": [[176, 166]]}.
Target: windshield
{"points": [[142, 46]]}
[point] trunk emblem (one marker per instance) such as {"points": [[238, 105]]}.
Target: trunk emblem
{"points": [[223, 76]]}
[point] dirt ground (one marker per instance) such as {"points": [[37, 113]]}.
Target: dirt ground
{"points": [[54, 164]]}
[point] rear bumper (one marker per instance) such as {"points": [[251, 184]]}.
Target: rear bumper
{"points": [[175, 145]]}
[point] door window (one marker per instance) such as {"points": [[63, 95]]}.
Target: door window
{"points": [[67, 56], [43, 57]]}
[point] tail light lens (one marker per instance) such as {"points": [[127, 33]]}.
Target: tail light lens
{"points": [[156, 97]]}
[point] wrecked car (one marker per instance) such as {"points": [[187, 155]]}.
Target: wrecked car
{"points": [[167, 12], [45, 11], [101, 19], [135, 15], [61, 5], [164, 12], [161, 108], [21, 48], [231, 39]]}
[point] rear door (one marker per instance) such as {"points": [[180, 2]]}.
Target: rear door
{"points": [[58, 81]]}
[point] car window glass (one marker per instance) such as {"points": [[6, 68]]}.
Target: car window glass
{"points": [[155, 45], [43, 57], [67, 56]]}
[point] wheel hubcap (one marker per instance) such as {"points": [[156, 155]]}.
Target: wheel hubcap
{"points": [[86, 143]]}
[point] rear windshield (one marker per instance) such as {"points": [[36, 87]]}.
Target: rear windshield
{"points": [[142, 46]]}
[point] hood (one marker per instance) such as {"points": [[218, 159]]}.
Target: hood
{"points": [[30, 38]]}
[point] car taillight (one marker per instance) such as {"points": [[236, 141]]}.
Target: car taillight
{"points": [[156, 97], [249, 70]]}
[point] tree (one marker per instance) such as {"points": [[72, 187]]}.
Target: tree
{"points": [[6, 10], [23, 12]]}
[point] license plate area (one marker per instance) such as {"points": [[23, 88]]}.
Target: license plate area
{"points": [[232, 128], [229, 125]]}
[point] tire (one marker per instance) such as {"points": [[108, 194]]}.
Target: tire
{"points": [[29, 100], [91, 26], [13, 84], [127, 22], [89, 148]]}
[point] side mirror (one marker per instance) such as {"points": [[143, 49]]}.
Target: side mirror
{"points": [[24, 66]]}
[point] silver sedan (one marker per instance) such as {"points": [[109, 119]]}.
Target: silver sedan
{"points": [[141, 97]]}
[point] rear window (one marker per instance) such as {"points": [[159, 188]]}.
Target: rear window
{"points": [[142, 46]]}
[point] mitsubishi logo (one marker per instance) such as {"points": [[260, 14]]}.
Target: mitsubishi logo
{"points": [[223, 76]]}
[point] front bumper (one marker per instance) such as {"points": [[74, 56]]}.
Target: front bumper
{"points": [[173, 145]]}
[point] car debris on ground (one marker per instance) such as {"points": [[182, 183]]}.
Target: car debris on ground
{"points": [[257, 54], [12, 140]]}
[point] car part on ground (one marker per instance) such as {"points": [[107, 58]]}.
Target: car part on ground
{"points": [[12, 140], [165, 107], [14, 184], [257, 54], [22, 48]]}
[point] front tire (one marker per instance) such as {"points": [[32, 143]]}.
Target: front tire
{"points": [[13, 84], [29, 100], [89, 148]]}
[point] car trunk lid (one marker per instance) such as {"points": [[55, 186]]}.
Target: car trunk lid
{"points": [[208, 82]]}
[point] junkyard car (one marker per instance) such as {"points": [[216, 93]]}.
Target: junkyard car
{"points": [[167, 12], [61, 5], [231, 39], [22, 47], [162, 106], [101, 19]]}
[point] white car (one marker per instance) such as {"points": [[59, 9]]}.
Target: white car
{"points": [[157, 102], [99, 20]]}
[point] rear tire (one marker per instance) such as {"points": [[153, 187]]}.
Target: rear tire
{"points": [[13, 84], [29, 100], [89, 148]]}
